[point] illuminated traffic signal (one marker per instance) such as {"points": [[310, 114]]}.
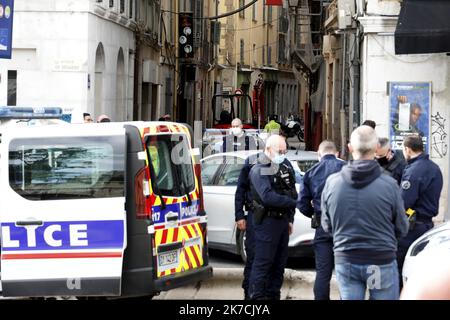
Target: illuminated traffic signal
{"points": [[186, 35]]}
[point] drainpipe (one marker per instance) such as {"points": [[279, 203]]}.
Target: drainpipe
{"points": [[357, 78], [342, 110], [137, 58]]}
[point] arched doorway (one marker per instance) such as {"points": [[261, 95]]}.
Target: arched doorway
{"points": [[119, 112], [98, 81]]}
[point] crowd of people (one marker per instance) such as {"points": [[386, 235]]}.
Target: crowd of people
{"points": [[366, 213]]}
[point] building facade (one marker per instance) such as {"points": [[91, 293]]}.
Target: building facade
{"points": [[76, 55], [254, 49], [366, 79]]}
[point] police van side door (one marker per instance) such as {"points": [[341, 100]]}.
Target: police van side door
{"points": [[63, 218]]}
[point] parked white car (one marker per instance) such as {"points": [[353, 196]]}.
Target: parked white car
{"points": [[433, 245], [220, 173]]}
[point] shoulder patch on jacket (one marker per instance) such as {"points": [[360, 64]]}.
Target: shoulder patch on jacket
{"points": [[406, 185]]}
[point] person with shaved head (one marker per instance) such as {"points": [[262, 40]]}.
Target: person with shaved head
{"points": [[363, 211], [309, 205], [237, 140], [272, 184]]}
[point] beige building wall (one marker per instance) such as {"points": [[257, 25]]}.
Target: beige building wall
{"points": [[253, 29]]}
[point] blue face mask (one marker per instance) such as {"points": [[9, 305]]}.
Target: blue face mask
{"points": [[279, 158]]}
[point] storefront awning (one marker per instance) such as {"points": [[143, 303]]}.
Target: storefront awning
{"points": [[423, 27]]}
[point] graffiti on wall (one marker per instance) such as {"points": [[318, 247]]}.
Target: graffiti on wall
{"points": [[438, 136]]}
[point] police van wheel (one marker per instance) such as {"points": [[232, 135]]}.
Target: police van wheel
{"points": [[241, 245]]}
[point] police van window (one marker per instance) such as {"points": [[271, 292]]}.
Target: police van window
{"points": [[172, 177], [67, 168], [159, 152]]}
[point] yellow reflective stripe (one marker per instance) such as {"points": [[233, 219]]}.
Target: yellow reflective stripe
{"points": [[191, 229], [169, 235], [199, 254], [191, 257], [158, 237], [197, 227]]}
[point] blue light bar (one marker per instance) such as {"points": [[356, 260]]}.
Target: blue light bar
{"points": [[30, 113]]}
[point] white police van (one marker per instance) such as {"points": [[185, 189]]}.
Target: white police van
{"points": [[100, 210]]}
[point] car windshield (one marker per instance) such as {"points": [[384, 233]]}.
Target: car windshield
{"points": [[65, 168]]}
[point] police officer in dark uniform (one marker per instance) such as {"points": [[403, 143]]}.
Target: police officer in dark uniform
{"points": [[243, 201], [309, 205], [421, 189], [274, 199], [392, 163], [237, 139]]}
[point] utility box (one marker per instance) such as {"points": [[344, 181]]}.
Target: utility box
{"points": [[346, 10]]}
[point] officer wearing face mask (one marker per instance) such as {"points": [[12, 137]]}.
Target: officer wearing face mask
{"points": [[237, 140], [393, 164], [421, 188], [272, 185]]}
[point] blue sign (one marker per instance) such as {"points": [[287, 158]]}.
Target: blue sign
{"points": [[6, 28], [63, 235], [409, 112]]}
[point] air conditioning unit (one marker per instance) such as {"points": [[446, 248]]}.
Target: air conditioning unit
{"points": [[150, 71], [346, 10]]}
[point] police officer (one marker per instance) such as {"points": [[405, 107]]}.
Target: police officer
{"points": [[309, 205], [392, 163], [274, 199], [237, 139], [243, 201], [421, 188]]}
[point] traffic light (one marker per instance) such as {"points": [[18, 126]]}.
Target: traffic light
{"points": [[186, 35]]}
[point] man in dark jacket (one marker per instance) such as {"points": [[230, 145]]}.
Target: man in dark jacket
{"points": [[421, 188], [363, 210], [309, 205], [274, 198], [242, 201], [393, 164]]}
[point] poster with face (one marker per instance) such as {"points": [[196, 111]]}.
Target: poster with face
{"points": [[6, 28], [409, 112]]}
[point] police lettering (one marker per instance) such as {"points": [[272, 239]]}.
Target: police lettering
{"points": [[52, 235], [189, 211]]}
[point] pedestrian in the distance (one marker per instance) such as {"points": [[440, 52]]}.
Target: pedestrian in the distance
{"points": [[87, 118], [103, 118]]}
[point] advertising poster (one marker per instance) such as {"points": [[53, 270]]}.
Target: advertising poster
{"points": [[409, 112], [6, 25]]}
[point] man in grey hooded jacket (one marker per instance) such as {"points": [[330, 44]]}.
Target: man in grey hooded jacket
{"points": [[363, 210]]}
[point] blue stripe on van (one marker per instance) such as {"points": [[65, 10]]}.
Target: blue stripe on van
{"points": [[63, 235]]}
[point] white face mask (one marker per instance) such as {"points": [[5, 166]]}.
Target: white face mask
{"points": [[236, 131]]}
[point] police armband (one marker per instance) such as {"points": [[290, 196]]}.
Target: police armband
{"points": [[411, 214]]}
